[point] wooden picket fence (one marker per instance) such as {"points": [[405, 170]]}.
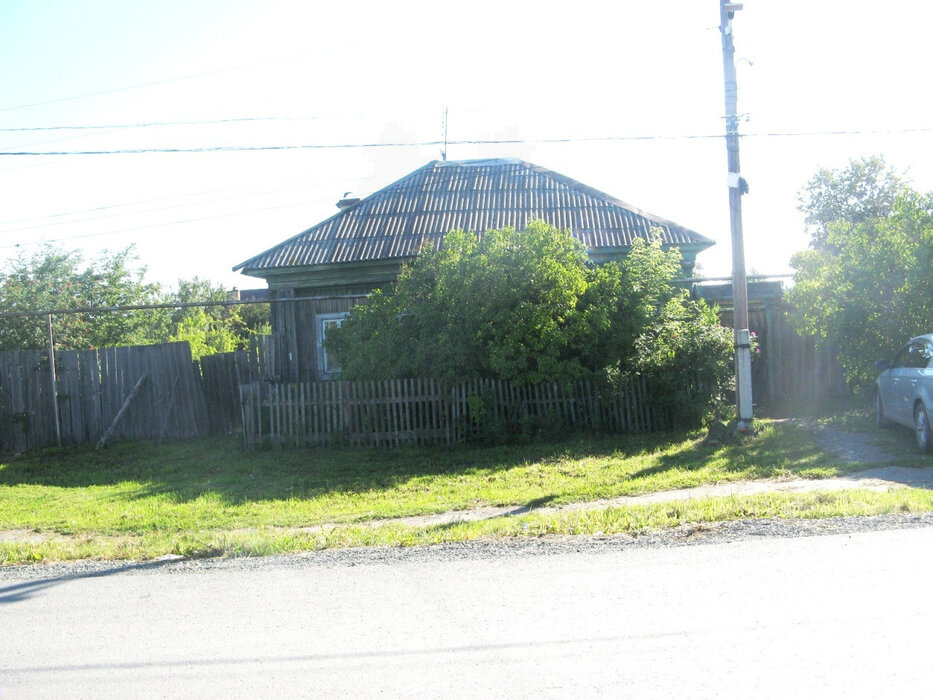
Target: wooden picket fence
{"points": [[421, 411]]}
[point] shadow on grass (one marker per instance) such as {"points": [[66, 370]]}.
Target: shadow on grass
{"points": [[184, 471], [797, 450]]}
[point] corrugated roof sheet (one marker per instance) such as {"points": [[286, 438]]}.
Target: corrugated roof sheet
{"points": [[415, 213]]}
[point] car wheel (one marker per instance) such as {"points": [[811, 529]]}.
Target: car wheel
{"points": [[922, 428], [882, 420]]}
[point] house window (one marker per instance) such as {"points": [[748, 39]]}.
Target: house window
{"points": [[326, 367]]}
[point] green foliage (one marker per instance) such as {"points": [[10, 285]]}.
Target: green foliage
{"points": [[204, 334], [211, 329], [866, 189], [528, 307], [686, 357], [508, 305], [867, 284], [56, 279]]}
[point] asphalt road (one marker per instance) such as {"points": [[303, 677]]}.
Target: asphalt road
{"points": [[829, 616]]}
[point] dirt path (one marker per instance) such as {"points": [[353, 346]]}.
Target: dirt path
{"points": [[848, 446], [882, 479]]}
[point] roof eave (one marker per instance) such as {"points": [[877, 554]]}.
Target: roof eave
{"points": [[332, 274]]}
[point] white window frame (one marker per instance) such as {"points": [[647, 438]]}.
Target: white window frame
{"points": [[326, 370]]}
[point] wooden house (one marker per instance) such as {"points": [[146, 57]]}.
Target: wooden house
{"points": [[335, 264]]}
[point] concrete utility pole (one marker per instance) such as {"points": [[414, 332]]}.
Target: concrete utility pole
{"points": [[737, 187]]}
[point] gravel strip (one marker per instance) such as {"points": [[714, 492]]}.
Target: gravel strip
{"points": [[690, 534]]}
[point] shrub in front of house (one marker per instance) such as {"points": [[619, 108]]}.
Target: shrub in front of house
{"points": [[528, 307]]}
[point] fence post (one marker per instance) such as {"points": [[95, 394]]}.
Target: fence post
{"points": [[58, 425]]}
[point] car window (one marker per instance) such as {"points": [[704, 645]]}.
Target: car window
{"points": [[923, 355], [900, 359], [917, 356]]}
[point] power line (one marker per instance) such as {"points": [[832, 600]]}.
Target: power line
{"points": [[147, 211], [139, 86], [165, 208], [174, 305], [121, 206], [99, 234], [838, 132], [396, 144], [199, 122], [221, 149], [191, 122], [462, 142]]}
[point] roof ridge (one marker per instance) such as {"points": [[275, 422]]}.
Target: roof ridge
{"points": [[477, 162]]}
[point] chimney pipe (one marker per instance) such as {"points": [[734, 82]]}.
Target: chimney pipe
{"points": [[347, 201]]}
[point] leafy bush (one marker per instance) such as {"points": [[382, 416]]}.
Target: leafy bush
{"points": [[687, 359], [528, 307], [508, 305]]}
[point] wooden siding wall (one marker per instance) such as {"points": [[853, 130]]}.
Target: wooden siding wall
{"points": [[295, 329], [420, 411], [92, 387], [286, 331]]}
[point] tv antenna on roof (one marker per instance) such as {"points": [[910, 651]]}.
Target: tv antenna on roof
{"points": [[444, 127]]}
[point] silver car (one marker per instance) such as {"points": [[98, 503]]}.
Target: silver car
{"points": [[905, 390]]}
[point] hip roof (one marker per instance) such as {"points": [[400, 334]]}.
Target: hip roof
{"points": [[415, 212]]}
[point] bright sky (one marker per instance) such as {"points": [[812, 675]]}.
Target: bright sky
{"points": [[296, 73]]}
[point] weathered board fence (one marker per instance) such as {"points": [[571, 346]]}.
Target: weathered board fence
{"points": [[790, 366], [98, 397], [222, 375], [420, 411], [93, 389]]}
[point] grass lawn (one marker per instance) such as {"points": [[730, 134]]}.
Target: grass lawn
{"points": [[210, 497]]}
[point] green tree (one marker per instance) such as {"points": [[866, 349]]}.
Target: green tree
{"points": [[865, 189], [211, 329], [866, 285], [53, 279], [205, 335], [686, 356]]}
